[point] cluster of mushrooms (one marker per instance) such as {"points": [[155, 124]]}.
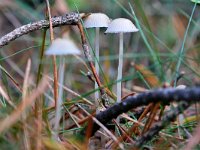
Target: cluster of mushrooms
{"points": [[63, 47], [119, 25]]}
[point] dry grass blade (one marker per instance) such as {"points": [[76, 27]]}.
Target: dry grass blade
{"points": [[82, 61], [131, 119], [71, 116], [114, 146], [54, 57], [11, 78], [26, 139], [26, 102], [80, 122], [12, 64], [5, 95], [25, 84], [150, 120]]}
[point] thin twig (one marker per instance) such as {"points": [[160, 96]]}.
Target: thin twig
{"points": [[55, 73], [67, 19], [89, 58]]}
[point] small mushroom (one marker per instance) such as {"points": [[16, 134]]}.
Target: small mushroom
{"points": [[61, 47], [120, 25], [196, 1], [97, 21]]}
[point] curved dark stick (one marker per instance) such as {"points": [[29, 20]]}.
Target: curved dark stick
{"points": [[67, 19], [159, 95]]}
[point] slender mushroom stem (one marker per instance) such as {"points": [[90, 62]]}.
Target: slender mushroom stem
{"points": [[97, 62], [60, 96], [119, 76]]}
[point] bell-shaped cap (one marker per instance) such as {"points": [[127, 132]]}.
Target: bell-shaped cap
{"points": [[196, 1], [121, 25], [62, 47], [181, 86], [96, 20]]}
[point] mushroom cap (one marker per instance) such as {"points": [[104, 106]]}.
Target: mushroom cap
{"points": [[121, 25], [96, 20], [62, 47], [196, 1], [181, 86]]}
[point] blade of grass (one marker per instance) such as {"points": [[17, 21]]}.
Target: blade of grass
{"points": [[5, 95], [11, 78], [26, 139], [20, 51], [182, 50]]}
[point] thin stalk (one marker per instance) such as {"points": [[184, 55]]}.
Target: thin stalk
{"points": [[54, 57], [96, 62], [60, 97], [54, 72], [39, 103], [120, 65], [26, 139], [11, 78], [40, 68]]}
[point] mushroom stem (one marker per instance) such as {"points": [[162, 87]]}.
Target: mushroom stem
{"points": [[97, 61], [60, 96], [119, 76]]}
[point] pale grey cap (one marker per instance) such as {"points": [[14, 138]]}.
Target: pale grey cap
{"points": [[96, 20], [62, 47], [181, 86], [121, 25]]}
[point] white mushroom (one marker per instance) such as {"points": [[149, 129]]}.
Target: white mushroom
{"points": [[61, 47], [97, 21], [181, 86], [120, 25], [196, 1]]}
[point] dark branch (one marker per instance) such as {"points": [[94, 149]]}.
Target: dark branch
{"points": [[159, 95], [171, 116], [68, 19]]}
